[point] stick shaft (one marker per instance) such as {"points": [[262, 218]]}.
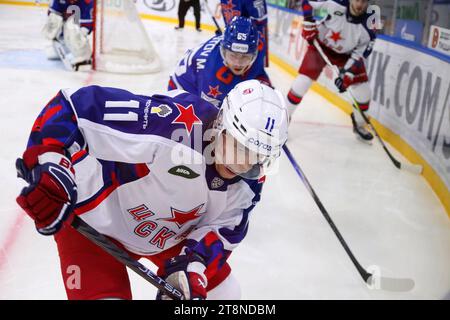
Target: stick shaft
{"points": [[118, 253], [355, 104], [364, 274], [218, 31]]}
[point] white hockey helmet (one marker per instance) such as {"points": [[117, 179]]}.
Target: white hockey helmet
{"points": [[255, 115]]}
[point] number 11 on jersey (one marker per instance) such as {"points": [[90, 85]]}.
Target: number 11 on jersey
{"points": [[129, 116]]}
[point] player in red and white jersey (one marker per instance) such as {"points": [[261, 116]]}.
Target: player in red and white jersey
{"points": [[346, 38], [167, 177]]}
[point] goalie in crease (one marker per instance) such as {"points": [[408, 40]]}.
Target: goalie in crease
{"points": [[67, 27]]}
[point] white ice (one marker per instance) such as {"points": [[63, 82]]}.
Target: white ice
{"points": [[391, 219]]}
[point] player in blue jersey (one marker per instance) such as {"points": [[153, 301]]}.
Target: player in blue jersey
{"points": [[168, 177], [253, 9], [67, 27], [212, 69]]}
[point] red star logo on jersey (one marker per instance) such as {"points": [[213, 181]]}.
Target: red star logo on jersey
{"points": [[214, 91], [187, 117], [228, 10], [336, 36], [181, 217], [228, 6]]}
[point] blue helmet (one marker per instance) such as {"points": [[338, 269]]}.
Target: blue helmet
{"points": [[241, 36]]}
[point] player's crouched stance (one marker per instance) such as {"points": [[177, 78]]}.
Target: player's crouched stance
{"points": [[347, 41], [67, 27], [131, 166]]}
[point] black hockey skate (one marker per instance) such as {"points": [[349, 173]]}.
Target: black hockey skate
{"points": [[361, 131]]}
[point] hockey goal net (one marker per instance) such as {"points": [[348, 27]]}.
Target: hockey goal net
{"points": [[120, 41]]}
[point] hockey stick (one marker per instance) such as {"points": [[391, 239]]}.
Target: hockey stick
{"points": [[107, 245], [218, 30], [65, 55], [118, 253], [374, 280], [414, 168], [364, 274]]}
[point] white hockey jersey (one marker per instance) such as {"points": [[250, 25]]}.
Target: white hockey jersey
{"points": [[342, 32], [141, 170]]}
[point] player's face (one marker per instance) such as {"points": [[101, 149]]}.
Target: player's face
{"points": [[358, 7], [232, 158], [238, 63]]}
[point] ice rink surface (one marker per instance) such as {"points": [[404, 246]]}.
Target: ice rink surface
{"points": [[391, 219]]}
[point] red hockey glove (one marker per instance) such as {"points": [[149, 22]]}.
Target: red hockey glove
{"points": [[309, 31], [344, 80], [52, 193], [186, 273]]}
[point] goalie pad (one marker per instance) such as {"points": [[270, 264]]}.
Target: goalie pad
{"points": [[66, 56], [50, 52], [53, 26], [77, 41]]}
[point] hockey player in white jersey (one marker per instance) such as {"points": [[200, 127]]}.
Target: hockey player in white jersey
{"points": [[346, 38], [168, 177], [67, 27]]}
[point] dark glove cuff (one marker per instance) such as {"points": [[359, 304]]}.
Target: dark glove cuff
{"points": [[181, 262]]}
